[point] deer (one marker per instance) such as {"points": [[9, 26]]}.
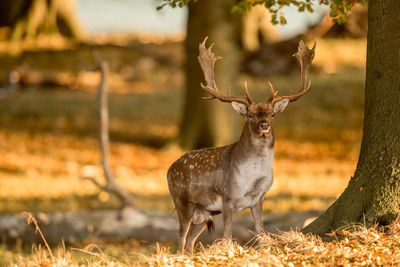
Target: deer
{"points": [[210, 181]]}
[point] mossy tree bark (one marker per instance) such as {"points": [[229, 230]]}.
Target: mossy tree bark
{"points": [[373, 193], [210, 123], [29, 18]]}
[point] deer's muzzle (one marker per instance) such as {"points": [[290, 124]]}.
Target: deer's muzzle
{"points": [[264, 126]]}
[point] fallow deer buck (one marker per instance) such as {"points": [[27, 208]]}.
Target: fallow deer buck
{"points": [[231, 178]]}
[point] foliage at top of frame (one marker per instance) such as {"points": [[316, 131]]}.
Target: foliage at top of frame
{"points": [[339, 8]]}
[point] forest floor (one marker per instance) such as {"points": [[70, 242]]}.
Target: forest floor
{"points": [[352, 246], [48, 136]]}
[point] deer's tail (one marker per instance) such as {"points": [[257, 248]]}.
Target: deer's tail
{"points": [[200, 216], [210, 225]]}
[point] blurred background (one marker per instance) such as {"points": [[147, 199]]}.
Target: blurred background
{"points": [[49, 52]]}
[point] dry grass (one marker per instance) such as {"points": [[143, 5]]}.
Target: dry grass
{"points": [[353, 246]]}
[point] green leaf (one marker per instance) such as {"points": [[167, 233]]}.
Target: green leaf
{"points": [[236, 10], [339, 8], [282, 19], [274, 19]]}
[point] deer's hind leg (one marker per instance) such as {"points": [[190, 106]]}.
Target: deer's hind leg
{"points": [[185, 214], [193, 234], [200, 220]]}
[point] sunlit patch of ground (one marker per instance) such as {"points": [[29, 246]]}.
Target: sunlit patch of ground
{"points": [[41, 173], [49, 139]]}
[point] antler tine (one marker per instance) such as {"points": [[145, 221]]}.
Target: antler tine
{"points": [[207, 60], [248, 94], [305, 57], [272, 92]]}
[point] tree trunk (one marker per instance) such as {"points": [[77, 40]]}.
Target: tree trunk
{"points": [[209, 123], [29, 18], [257, 29], [373, 193]]}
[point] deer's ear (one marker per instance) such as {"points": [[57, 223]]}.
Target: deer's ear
{"points": [[240, 108], [280, 106]]}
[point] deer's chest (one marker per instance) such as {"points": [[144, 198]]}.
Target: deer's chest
{"points": [[250, 181]]}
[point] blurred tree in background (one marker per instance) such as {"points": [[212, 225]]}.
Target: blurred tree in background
{"points": [[208, 123], [29, 18]]}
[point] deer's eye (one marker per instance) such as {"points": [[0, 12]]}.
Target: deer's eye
{"points": [[250, 116]]}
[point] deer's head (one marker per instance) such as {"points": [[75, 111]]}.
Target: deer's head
{"points": [[260, 116]]}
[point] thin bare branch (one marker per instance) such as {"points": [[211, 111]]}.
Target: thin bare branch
{"points": [[94, 181], [110, 186]]}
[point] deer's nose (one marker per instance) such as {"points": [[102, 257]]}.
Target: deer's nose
{"points": [[264, 125]]}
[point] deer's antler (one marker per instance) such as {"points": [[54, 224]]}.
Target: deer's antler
{"points": [[305, 57], [207, 60]]}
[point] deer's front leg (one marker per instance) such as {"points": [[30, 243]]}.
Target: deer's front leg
{"points": [[227, 213], [256, 211]]}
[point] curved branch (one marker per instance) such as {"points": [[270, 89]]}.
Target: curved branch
{"points": [[110, 186]]}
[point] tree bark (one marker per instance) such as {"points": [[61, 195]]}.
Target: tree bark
{"points": [[373, 193], [209, 123], [29, 18]]}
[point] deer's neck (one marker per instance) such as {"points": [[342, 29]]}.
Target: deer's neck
{"points": [[250, 146]]}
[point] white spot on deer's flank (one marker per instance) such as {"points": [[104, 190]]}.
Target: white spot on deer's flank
{"points": [[191, 166]]}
